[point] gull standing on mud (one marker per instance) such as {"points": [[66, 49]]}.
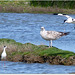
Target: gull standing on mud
{"points": [[68, 20], [51, 35]]}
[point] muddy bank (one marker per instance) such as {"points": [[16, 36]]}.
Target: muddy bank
{"points": [[30, 53], [56, 60]]}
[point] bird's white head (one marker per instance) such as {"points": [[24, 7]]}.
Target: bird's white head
{"points": [[42, 28], [5, 46]]}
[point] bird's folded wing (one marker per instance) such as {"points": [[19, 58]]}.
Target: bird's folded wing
{"points": [[53, 33]]}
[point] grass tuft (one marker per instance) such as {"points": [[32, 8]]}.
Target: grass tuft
{"points": [[28, 48]]}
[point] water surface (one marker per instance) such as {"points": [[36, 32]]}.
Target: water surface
{"points": [[34, 68], [24, 28]]}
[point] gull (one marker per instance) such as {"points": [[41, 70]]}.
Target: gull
{"points": [[51, 35], [68, 20], [3, 55]]}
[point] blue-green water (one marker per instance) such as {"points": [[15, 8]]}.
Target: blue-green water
{"points": [[25, 27]]}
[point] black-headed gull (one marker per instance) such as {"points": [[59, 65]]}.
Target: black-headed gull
{"points": [[68, 20], [51, 35]]}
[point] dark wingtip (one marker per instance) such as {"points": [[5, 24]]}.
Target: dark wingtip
{"points": [[55, 14], [64, 14], [67, 33], [64, 34]]}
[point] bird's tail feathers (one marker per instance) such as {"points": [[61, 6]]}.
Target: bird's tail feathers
{"points": [[67, 33], [64, 34]]}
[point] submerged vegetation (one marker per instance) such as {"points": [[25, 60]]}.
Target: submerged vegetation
{"points": [[33, 53], [34, 6]]}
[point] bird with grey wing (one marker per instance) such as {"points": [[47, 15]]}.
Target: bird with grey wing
{"points": [[69, 18], [51, 35]]}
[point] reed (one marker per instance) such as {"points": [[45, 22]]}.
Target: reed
{"points": [[60, 4], [37, 7]]}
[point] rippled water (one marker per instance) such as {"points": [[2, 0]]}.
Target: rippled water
{"points": [[34, 68], [25, 27]]}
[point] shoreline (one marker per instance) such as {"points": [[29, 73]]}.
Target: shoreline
{"points": [[39, 10], [17, 7]]}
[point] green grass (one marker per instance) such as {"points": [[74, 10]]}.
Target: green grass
{"points": [[60, 4], [55, 52], [9, 41], [28, 48]]}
